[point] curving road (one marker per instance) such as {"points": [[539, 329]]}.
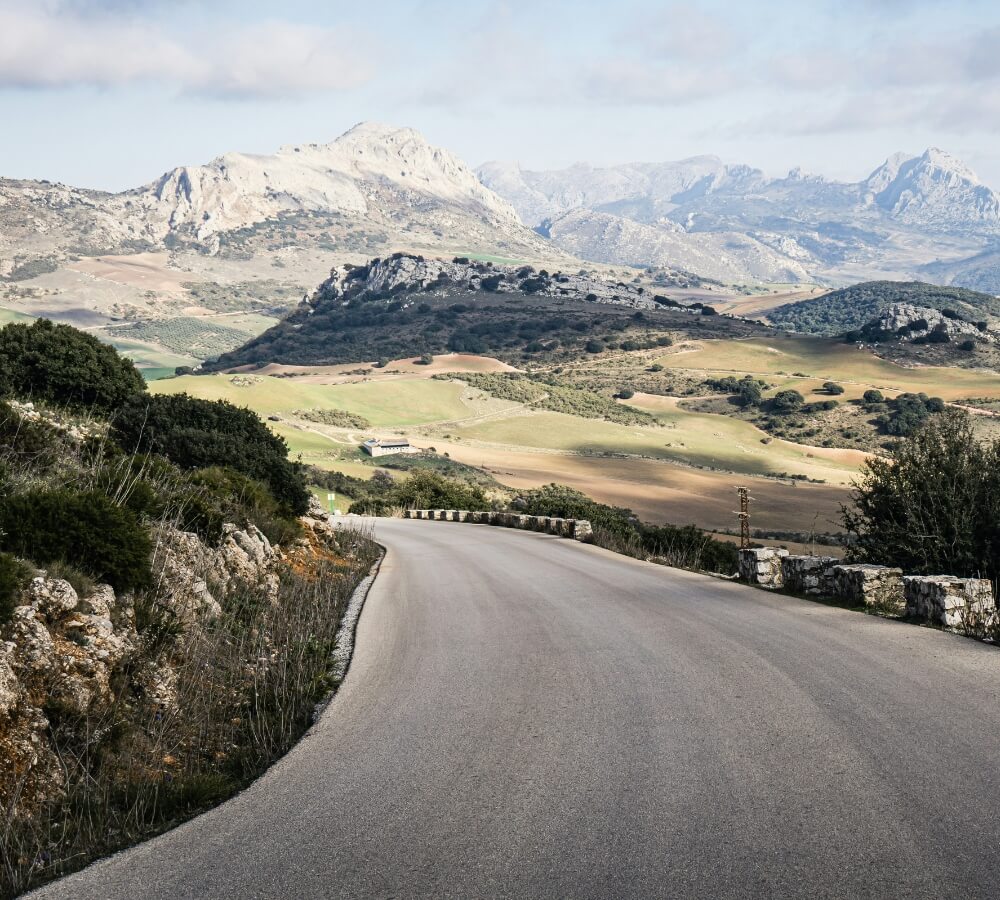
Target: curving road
{"points": [[529, 717]]}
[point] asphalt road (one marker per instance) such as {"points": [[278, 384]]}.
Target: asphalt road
{"points": [[529, 717]]}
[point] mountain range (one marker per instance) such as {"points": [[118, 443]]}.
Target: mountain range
{"points": [[278, 223], [926, 216]]}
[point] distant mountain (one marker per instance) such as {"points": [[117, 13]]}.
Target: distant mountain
{"points": [[856, 306], [725, 256], [374, 189], [910, 215]]}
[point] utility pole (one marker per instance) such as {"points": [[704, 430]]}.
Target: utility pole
{"points": [[744, 515]]}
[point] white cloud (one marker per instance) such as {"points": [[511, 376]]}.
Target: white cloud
{"points": [[46, 48]]}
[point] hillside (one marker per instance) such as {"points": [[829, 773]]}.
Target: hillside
{"points": [[409, 305], [854, 307], [913, 216]]}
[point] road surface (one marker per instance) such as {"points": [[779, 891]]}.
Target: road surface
{"points": [[526, 716]]}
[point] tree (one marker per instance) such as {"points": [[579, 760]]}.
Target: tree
{"points": [[934, 506], [61, 364], [872, 396], [831, 387], [787, 401]]}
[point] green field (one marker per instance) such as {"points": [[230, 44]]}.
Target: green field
{"points": [[386, 404], [147, 357], [11, 315], [822, 360]]}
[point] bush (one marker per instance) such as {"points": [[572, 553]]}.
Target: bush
{"points": [[594, 346], [872, 397], [14, 578], [967, 346], [785, 402], [63, 365], [425, 359], [82, 528], [908, 412], [934, 506], [197, 434], [625, 394], [422, 490], [831, 387]]}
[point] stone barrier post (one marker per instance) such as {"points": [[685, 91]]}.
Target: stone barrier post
{"points": [[868, 585], [762, 566], [947, 600]]}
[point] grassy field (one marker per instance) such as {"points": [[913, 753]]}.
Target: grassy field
{"points": [[12, 315], [821, 360], [682, 468], [146, 356], [395, 403], [695, 439]]}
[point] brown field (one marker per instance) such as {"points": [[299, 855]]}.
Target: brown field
{"points": [[757, 307], [662, 491], [148, 271]]}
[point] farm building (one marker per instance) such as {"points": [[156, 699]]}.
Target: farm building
{"points": [[376, 447]]}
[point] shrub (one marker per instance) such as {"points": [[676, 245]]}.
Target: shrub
{"points": [[625, 394], [82, 528], [786, 401], [14, 578], [831, 387], [422, 490], [61, 364], [872, 397], [594, 346], [968, 346], [196, 434], [934, 506], [425, 359]]}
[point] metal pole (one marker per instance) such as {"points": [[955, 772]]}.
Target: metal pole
{"points": [[744, 515]]}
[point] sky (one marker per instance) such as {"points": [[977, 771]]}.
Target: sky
{"points": [[111, 93]]}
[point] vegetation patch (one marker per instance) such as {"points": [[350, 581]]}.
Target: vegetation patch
{"points": [[337, 418]]}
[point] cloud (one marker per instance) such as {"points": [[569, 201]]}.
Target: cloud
{"points": [[44, 48], [681, 32]]}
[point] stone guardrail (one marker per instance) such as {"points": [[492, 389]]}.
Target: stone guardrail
{"points": [[939, 599], [577, 529]]}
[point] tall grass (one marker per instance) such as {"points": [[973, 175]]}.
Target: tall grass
{"points": [[246, 686]]}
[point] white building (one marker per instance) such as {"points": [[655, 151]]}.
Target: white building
{"points": [[376, 447]]}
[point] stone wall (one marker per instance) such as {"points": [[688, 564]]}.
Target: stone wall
{"points": [[807, 574], [947, 600], [577, 529], [862, 584]]}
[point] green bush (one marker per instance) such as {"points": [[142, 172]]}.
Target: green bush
{"points": [[423, 490], [831, 387], [63, 365], [786, 401], [934, 506], [872, 397], [82, 528], [14, 577], [195, 434]]}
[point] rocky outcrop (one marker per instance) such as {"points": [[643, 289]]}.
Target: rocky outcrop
{"points": [[65, 655], [404, 274], [917, 321]]}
